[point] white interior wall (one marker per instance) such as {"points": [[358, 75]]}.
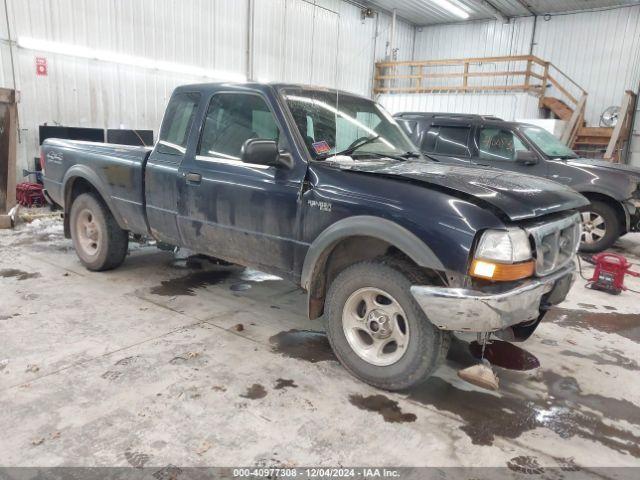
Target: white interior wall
{"points": [[310, 41], [508, 106], [598, 50]]}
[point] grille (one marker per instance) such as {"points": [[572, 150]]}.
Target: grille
{"points": [[556, 243]]}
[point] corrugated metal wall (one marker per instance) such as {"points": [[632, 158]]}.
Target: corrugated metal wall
{"points": [[312, 41], [316, 41], [598, 50], [509, 106]]}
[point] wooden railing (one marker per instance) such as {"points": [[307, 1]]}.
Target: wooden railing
{"points": [[514, 73]]}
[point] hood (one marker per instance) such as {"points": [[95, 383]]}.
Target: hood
{"points": [[518, 196], [603, 165]]}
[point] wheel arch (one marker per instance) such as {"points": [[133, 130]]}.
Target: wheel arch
{"points": [[623, 215], [355, 239], [81, 179]]}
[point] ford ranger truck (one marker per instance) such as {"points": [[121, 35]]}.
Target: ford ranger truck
{"points": [[324, 188]]}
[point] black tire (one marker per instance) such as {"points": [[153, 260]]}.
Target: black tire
{"points": [[426, 347], [103, 245], [612, 227]]}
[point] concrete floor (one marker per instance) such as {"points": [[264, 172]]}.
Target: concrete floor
{"points": [[160, 362]]}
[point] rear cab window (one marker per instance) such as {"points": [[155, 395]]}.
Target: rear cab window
{"points": [[177, 123], [447, 140]]}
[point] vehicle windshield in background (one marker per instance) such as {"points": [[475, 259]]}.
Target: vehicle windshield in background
{"points": [[333, 124], [550, 145]]}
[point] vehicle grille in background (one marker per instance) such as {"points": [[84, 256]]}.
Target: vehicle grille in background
{"points": [[556, 243]]}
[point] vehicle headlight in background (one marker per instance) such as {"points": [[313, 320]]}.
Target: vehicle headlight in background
{"points": [[503, 255]]}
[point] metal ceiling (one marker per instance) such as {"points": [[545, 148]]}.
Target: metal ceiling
{"points": [[426, 12]]}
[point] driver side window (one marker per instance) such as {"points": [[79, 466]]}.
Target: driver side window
{"points": [[499, 144], [232, 119]]}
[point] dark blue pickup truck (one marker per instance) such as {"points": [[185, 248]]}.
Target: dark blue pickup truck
{"points": [[324, 188]]}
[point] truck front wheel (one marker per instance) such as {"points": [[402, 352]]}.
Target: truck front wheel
{"points": [[600, 227], [377, 330], [98, 239]]}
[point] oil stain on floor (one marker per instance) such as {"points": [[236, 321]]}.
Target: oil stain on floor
{"points": [[19, 274], [284, 383], [505, 355], [255, 392], [386, 407], [308, 345]]}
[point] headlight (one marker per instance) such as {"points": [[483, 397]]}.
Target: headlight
{"points": [[503, 255], [507, 246]]}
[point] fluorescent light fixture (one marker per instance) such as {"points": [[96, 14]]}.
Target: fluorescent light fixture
{"points": [[114, 57], [451, 8]]}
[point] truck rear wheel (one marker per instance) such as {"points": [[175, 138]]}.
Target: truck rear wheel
{"points": [[98, 239], [378, 331]]}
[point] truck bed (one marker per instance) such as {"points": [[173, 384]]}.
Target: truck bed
{"points": [[117, 171]]}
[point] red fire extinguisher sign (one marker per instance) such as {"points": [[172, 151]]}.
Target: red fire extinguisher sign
{"points": [[41, 66]]}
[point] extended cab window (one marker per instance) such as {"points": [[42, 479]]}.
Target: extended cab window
{"points": [[232, 119], [177, 123], [443, 140], [499, 144]]}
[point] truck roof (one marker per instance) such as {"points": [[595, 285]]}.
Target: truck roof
{"points": [[211, 87], [461, 118]]}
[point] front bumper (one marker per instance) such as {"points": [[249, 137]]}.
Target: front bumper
{"points": [[467, 310]]}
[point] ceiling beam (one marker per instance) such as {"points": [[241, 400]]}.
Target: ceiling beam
{"points": [[527, 7], [492, 10]]}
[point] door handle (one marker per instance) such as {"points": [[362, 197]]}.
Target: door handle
{"points": [[192, 177]]}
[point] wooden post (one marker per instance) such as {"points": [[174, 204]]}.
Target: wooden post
{"points": [[574, 123], [465, 78], [8, 131], [419, 79], [625, 110], [527, 76]]}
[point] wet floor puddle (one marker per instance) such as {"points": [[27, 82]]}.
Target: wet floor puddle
{"points": [[187, 284], [606, 357], [18, 274], [563, 409], [624, 324], [205, 271]]}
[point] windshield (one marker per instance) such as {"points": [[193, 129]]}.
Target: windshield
{"points": [[333, 124], [550, 145]]}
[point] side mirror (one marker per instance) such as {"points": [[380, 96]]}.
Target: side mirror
{"points": [[264, 152], [526, 157]]}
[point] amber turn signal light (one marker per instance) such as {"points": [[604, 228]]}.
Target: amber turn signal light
{"points": [[501, 272]]}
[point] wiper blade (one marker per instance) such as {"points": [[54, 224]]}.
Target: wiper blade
{"points": [[401, 158], [350, 150], [411, 155]]}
